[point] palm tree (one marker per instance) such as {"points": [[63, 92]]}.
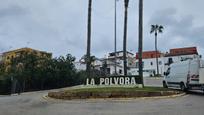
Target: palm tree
{"points": [[125, 37], [88, 64], [156, 29], [92, 59], [140, 40], [115, 37]]}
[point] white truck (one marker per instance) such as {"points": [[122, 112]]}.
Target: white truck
{"points": [[186, 75]]}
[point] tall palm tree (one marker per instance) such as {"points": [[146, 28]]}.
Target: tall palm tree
{"points": [[125, 37], [115, 36], [88, 64], [140, 41], [156, 29]]}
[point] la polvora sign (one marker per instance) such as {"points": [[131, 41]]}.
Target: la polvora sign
{"points": [[117, 80]]}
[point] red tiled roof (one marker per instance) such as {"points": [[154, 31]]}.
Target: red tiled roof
{"points": [[182, 51], [149, 54]]}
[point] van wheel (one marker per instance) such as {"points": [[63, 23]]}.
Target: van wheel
{"points": [[203, 90], [183, 88], [164, 85]]}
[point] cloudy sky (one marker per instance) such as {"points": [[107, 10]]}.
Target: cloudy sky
{"points": [[59, 26]]}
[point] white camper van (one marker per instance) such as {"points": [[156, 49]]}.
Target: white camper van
{"points": [[187, 75]]}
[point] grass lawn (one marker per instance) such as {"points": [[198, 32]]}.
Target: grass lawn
{"points": [[112, 92], [118, 89]]}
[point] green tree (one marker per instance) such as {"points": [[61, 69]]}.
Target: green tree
{"points": [[104, 67], [156, 29], [23, 69], [92, 59], [36, 73], [42, 71]]}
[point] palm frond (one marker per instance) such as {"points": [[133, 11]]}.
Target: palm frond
{"points": [[152, 28], [160, 29], [156, 26]]}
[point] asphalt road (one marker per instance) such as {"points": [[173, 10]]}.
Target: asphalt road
{"points": [[153, 81], [34, 104]]}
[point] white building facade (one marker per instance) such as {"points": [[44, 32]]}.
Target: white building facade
{"points": [[149, 61], [164, 60]]}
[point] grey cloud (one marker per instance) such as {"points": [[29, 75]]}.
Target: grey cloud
{"points": [[60, 26], [164, 17], [12, 10], [179, 29]]}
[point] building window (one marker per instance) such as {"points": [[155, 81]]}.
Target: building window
{"points": [[160, 62], [120, 71], [151, 63], [170, 61], [112, 54], [35, 52], [108, 70]]}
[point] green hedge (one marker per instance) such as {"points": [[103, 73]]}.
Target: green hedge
{"points": [[5, 86]]}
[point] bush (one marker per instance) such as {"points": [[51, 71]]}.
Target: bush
{"points": [[5, 86], [32, 72]]}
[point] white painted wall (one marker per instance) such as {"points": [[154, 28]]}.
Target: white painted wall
{"points": [[150, 64]]}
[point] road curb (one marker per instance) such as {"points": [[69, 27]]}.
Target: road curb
{"points": [[46, 97], [163, 97]]}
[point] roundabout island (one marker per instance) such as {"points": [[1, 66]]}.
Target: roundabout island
{"points": [[104, 92]]}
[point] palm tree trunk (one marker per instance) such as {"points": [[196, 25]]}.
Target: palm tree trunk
{"points": [[115, 43], [125, 38], [156, 53], [88, 62], [140, 48]]}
